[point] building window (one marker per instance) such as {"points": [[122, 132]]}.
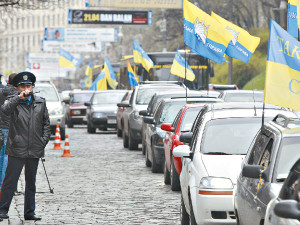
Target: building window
{"points": [[12, 44], [23, 42], [28, 43], [38, 22], [23, 24], [53, 20], [33, 40], [17, 43], [33, 22], [28, 22], [6, 44], [12, 23]]}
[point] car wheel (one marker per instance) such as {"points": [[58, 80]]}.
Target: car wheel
{"points": [[184, 216], [132, 143], [155, 167], [192, 216], [119, 132], [148, 163], [175, 182], [125, 139], [90, 129], [63, 133], [70, 124], [166, 174]]}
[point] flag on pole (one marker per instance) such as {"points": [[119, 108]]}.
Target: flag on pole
{"points": [[89, 74], [203, 34], [180, 67], [140, 56], [110, 74], [99, 83], [131, 77], [242, 44], [292, 23], [66, 59], [282, 86]]}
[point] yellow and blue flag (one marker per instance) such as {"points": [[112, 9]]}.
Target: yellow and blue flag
{"points": [[66, 59], [203, 34], [242, 44], [282, 86], [89, 74], [99, 83], [140, 56], [131, 77], [181, 68], [292, 23], [110, 74]]}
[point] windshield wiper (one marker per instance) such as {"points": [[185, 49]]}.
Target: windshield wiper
{"points": [[217, 153]]}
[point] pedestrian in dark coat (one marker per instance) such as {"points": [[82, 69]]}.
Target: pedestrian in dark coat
{"points": [[29, 133], [8, 90]]}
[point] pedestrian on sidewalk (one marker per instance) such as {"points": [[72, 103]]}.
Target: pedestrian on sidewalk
{"points": [[29, 133], [8, 90]]}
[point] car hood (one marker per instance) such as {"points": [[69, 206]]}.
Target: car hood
{"points": [[141, 107], [105, 108], [228, 166], [53, 105], [77, 106]]}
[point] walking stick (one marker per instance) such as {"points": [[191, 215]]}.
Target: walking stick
{"points": [[51, 189]]}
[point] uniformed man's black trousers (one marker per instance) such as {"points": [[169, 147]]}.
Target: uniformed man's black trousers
{"points": [[9, 186]]}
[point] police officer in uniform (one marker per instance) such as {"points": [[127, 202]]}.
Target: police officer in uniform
{"points": [[29, 133]]}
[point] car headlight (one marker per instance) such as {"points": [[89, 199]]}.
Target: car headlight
{"points": [[136, 115], [215, 183], [57, 111], [98, 115]]}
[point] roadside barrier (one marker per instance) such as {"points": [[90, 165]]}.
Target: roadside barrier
{"points": [[67, 148], [57, 141]]}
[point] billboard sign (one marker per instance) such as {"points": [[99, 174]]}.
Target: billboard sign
{"points": [[77, 16], [142, 4], [71, 46], [81, 34]]}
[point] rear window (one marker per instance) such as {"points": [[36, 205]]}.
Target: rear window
{"points": [[243, 97], [189, 118], [47, 92], [107, 98], [81, 97], [170, 111]]}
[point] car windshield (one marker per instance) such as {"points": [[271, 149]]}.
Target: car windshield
{"points": [[81, 97], [229, 135], [244, 97], [47, 92], [287, 156], [170, 111], [188, 119], [107, 98]]}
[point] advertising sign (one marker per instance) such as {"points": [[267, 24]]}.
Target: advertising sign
{"points": [[83, 46], [81, 34], [76, 16], [142, 4]]}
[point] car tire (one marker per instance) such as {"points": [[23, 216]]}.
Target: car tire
{"points": [[148, 163], [63, 133], [119, 132], [90, 129], [175, 181], [192, 216], [132, 144], [155, 167], [166, 174], [70, 124], [125, 139], [184, 216]]}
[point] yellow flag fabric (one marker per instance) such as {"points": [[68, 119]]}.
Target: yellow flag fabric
{"points": [[140, 56], [181, 68], [298, 12], [89, 75]]}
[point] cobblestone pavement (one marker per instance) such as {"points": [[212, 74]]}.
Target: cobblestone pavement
{"points": [[102, 184]]}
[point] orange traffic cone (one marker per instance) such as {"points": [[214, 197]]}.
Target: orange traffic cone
{"points": [[58, 130], [57, 141], [67, 148]]}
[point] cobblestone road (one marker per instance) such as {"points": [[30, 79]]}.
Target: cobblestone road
{"points": [[102, 184]]}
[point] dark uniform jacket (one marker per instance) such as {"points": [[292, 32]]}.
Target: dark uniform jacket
{"points": [[4, 93], [29, 129]]}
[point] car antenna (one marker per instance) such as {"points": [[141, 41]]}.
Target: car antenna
{"points": [[185, 73], [263, 119], [255, 114]]}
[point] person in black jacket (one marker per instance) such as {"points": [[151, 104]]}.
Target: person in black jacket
{"points": [[29, 133], [8, 90]]}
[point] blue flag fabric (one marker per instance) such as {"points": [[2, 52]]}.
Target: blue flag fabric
{"points": [[292, 23]]}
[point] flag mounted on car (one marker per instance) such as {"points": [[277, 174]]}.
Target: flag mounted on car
{"points": [[140, 56], [292, 23], [89, 74], [203, 34], [131, 77], [181, 68], [99, 83], [110, 74], [282, 85], [242, 44]]}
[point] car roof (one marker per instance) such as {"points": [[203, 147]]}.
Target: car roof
{"points": [[288, 126], [110, 91], [240, 105], [191, 99], [81, 91], [242, 91]]}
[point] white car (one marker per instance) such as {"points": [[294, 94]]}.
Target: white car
{"points": [[55, 107], [220, 138]]}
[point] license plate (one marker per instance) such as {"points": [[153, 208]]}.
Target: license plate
{"points": [[111, 121]]}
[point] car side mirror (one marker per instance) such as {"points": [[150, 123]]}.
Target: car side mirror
{"points": [[87, 104], [182, 151], [287, 209], [167, 127], [186, 137], [149, 119], [252, 171], [143, 113]]}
